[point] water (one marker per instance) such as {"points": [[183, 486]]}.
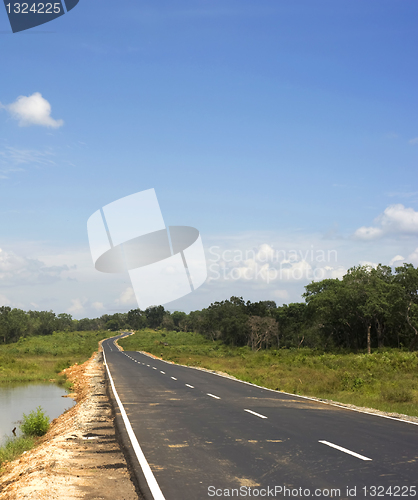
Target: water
{"points": [[19, 399]]}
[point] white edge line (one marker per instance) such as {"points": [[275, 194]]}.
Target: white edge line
{"points": [[317, 400], [361, 457], [255, 413], [146, 469], [212, 395]]}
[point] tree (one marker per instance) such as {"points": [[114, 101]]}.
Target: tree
{"points": [[291, 321], [363, 308], [4, 322], [137, 319], [178, 316], [18, 324], [167, 323], [372, 287], [154, 316], [263, 332], [64, 322], [407, 277]]}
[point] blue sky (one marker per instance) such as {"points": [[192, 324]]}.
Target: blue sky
{"points": [[270, 126]]}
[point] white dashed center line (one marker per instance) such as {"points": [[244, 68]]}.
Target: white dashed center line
{"points": [[256, 414], [154, 368], [213, 396], [174, 378], [191, 387], [353, 453], [162, 372]]}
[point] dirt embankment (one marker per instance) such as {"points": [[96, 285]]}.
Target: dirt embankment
{"points": [[79, 457]]}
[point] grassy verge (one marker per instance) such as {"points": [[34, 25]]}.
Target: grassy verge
{"points": [[42, 358], [14, 447], [386, 380]]}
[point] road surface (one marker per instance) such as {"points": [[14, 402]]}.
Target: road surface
{"points": [[207, 436]]}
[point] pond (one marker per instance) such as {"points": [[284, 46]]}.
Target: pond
{"points": [[15, 400]]}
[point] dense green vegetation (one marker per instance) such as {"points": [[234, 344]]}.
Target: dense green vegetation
{"points": [[367, 308], [41, 358], [386, 379]]}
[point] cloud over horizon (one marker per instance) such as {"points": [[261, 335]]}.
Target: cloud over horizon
{"points": [[17, 270], [396, 219]]}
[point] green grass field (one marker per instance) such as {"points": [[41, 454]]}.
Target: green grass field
{"points": [[41, 358], [386, 380]]}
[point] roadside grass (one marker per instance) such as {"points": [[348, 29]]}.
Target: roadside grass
{"points": [[386, 380], [42, 358], [14, 447]]}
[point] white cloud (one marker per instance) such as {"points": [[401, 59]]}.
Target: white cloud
{"points": [[77, 306], [263, 265], [414, 141], [18, 270], [280, 294], [265, 253], [397, 258], [127, 297], [396, 219], [368, 264], [98, 306], [368, 233], [413, 258], [32, 110], [334, 272]]}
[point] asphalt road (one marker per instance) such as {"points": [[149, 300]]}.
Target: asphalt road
{"points": [[206, 436]]}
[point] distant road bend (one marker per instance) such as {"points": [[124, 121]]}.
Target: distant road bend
{"points": [[195, 435]]}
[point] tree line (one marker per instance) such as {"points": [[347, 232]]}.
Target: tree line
{"points": [[367, 308]]}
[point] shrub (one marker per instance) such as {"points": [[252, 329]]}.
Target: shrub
{"points": [[397, 394], [36, 423]]}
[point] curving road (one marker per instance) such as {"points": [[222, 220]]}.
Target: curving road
{"points": [[206, 436]]}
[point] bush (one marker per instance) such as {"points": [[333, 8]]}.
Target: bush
{"points": [[36, 423], [397, 394]]}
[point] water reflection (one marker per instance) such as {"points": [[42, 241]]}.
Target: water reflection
{"points": [[15, 400]]}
